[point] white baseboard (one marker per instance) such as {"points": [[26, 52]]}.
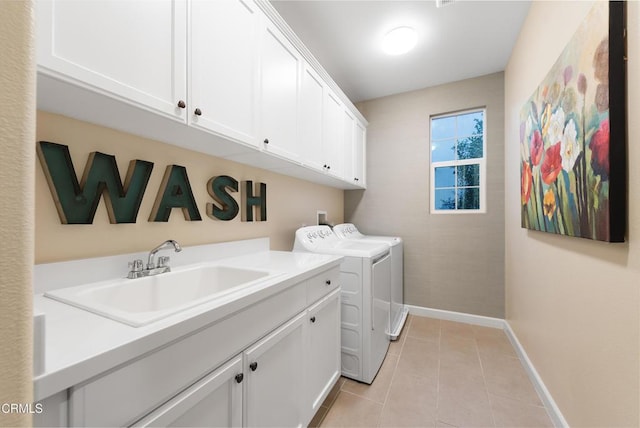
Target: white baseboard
{"points": [[457, 316], [552, 408]]}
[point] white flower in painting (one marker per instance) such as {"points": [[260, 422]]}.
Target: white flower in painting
{"points": [[556, 126], [527, 127], [569, 147], [524, 144]]}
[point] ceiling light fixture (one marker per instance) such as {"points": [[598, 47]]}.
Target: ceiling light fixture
{"points": [[399, 41], [443, 3]]}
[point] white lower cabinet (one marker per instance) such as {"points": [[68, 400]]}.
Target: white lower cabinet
{"points": [[214, 401], [269, 364], [323, 363], [275, 377]]}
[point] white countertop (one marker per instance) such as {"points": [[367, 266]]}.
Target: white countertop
{"points": [[80, 345]]}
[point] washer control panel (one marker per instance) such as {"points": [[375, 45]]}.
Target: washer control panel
{"points": [[311, 236], [347, 231]]}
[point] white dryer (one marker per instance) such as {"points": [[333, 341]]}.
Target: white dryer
{"points": [[398, 310], [365, 274]]}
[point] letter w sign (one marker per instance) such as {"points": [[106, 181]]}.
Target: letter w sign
{"points": [[77, 202]]}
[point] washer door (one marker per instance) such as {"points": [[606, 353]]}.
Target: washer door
{"points": [[380, 311]]}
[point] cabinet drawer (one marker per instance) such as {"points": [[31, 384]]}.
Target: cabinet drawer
{"points": [[122, 396], [321, 285]]}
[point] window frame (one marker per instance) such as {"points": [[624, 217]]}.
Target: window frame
{"points": [[481, 162]]}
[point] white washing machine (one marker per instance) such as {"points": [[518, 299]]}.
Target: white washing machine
{"points": [[398, 310], [365, 274]]}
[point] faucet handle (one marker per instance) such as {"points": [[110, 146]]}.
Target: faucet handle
{"points": [[163, 261], [136, 265]]}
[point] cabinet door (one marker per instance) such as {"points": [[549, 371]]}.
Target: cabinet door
{"points": [[323, 350], [279, 71], [333, 134], [359, 155], [131, 50], [275, 377], [223, 62], [348, 144], [214, 401], [311, 115]]}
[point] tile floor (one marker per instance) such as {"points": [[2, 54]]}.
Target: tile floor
{"points": [[440, 374]]}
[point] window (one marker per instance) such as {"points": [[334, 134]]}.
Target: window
{"points": [[458, 153]]}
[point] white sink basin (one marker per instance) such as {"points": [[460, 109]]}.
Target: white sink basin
{"points": [[144, 300]]}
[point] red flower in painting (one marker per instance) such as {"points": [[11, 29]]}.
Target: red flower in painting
{"points": [[525, 183], [536, 147], [552, 164], [599, 146]]}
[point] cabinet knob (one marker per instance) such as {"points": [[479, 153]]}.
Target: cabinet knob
{"points": [[198, 112], [181, 104], [239, 377], [266, 141], [324, 166], [328, 282], [313, 319], [328, 166], [253, 366]]}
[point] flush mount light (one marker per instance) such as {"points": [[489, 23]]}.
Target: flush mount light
{"points": [[399, 41], [443, 3]]}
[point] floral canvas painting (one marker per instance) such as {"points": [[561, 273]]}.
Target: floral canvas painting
{"points": [[572, 136]]}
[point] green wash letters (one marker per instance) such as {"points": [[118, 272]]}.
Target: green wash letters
{"points": [[76, 202]]}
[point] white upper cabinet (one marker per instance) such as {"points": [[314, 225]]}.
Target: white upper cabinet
{"points": [[333, 135], [223, 67], [280, 64], [232, 70], [348, 140], [132, 50], [359, 155], [311, 98]]}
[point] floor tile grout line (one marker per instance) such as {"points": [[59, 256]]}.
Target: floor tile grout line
{"points": [[422, 339], [357, 396], [438, 373], [323, 416], [517, 400], [337, 393], [393, 375], [484, 381], [360, 396], [512, 357]]}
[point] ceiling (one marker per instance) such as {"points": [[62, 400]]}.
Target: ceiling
{"points": [[461, 40]]}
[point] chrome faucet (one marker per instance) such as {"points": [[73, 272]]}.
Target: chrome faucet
{"points": [[136, 270], [165, 244]]}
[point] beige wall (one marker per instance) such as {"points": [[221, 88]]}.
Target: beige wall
{"points": [[290, 202], [17, 118], [452, 261], [573, 303]]}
